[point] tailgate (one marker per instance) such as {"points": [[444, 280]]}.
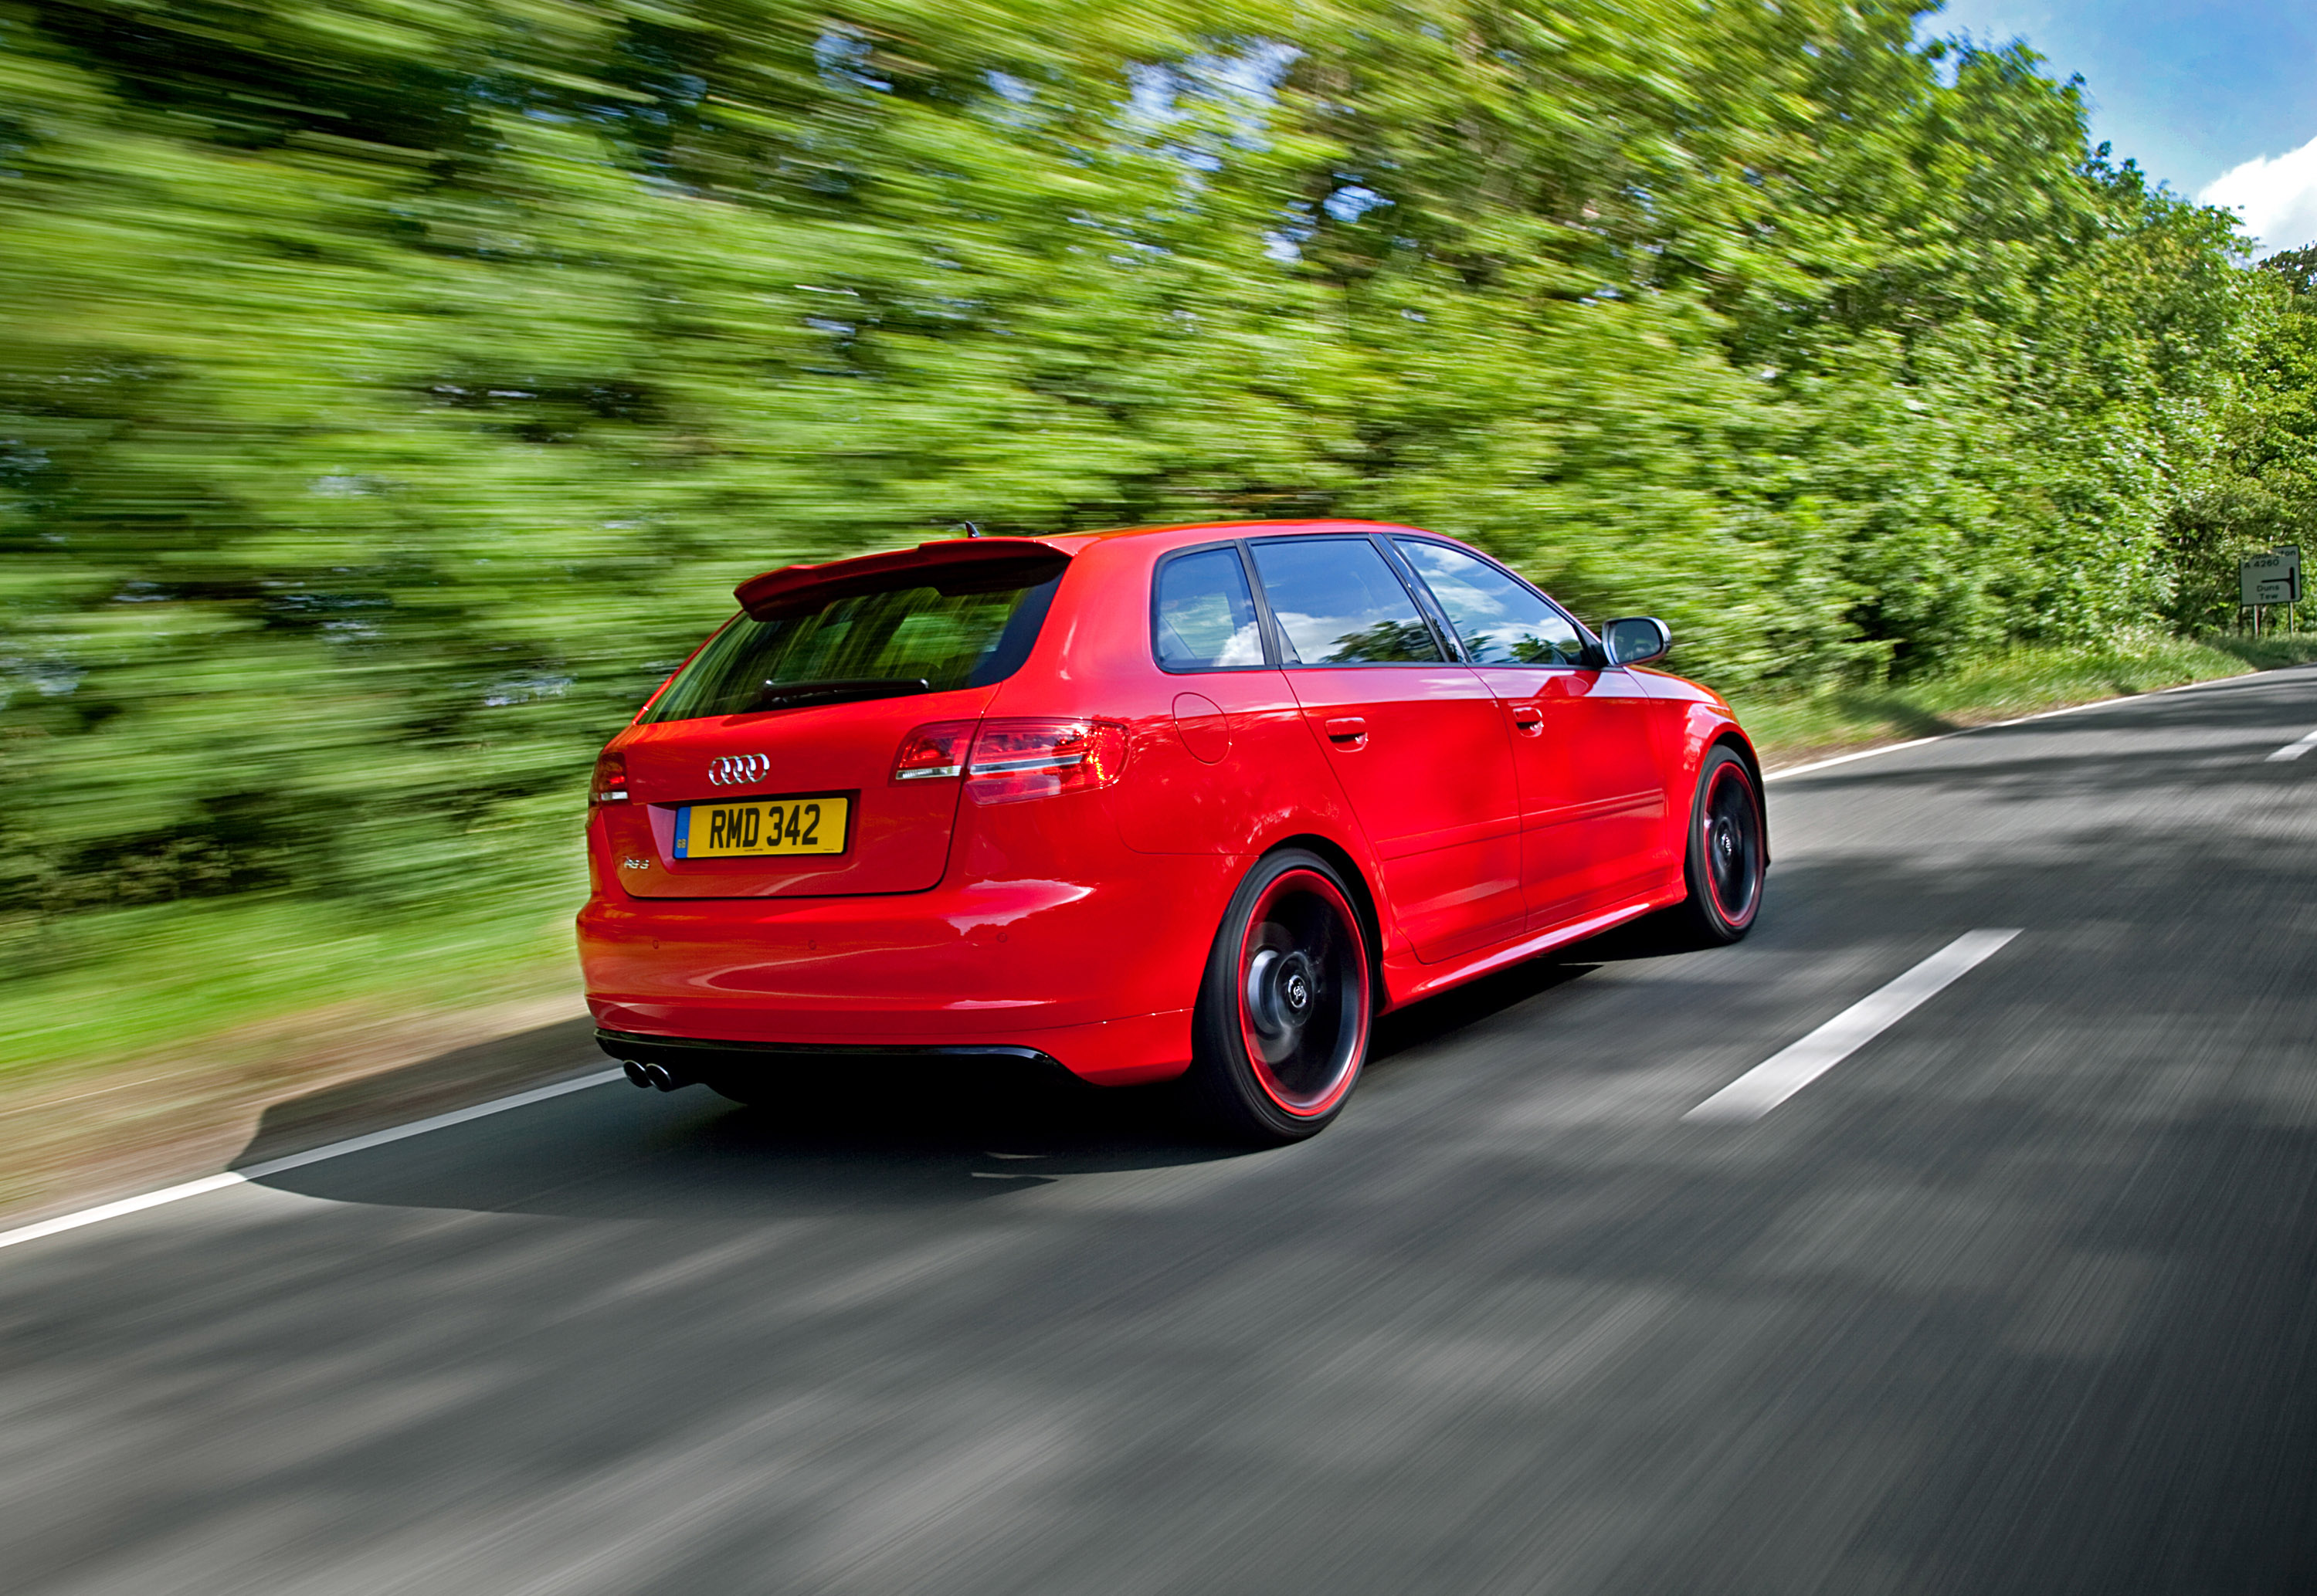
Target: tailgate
{"points": [[746, 768]]}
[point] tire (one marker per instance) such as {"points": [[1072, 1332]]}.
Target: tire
{"points": [[1728, 850], [1281, 1031]]}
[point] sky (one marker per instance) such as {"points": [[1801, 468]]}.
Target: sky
{"points": [[2218, 100]]}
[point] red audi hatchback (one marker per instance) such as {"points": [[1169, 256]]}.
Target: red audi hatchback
{"points": [[1200, 800]]}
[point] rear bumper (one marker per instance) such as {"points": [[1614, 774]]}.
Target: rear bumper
{"points": [[1110, 1053], [688, 1060], [1123, 1052], [1099, 978]]}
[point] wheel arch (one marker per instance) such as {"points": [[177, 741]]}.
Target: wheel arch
{"points": [[1363, 901]]}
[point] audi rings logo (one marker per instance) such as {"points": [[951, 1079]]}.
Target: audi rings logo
{"points": [[739, 769]]}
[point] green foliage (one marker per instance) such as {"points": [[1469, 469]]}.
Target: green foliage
{"points": [[390, 395], [2297, 270], [2260, 489]]}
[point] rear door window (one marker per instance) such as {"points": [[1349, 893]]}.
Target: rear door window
{"points": [[1498, 618], [906, 638], [1337, 603], [1201, 614]]}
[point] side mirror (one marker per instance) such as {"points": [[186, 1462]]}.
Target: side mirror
{"points": [[1635, 640]]}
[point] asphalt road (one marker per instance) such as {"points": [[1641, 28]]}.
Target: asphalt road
{"points": [[2015, 1297]]}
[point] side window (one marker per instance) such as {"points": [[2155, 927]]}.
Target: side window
{"points": [[1338, 603], [1499, 622], [1203, 617]]}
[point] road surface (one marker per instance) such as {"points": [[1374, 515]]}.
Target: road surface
{"points": [[2013, 1295]]}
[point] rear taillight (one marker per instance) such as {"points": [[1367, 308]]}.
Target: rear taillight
{"points": [[935, 752], [611, 783], [1024, 759]]}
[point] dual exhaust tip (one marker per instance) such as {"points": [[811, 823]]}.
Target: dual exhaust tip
{"points": [[652, 1075]]}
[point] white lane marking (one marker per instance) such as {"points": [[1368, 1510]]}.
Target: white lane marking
{"points": [[2130, 698], [2296, 749], [1779, 1077], [274, 1166]]}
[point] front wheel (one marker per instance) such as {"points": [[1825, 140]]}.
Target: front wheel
{"points": [[1727, 854], [1281, 1026]]}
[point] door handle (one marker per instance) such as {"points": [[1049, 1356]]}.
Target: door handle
{"points": [[1528, 718], [1348, 731]]}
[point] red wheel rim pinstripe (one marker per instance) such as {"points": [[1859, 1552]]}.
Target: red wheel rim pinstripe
{"points": [[1303, 994], [1730, 826]]}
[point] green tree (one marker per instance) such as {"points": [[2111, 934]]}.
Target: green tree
{"points": [[391, 395]]}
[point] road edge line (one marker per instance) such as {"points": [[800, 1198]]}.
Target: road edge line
{"points": [[274, 1166], [1993, 726]]}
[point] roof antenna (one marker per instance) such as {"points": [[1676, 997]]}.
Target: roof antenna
{"points": [[972, 530]]}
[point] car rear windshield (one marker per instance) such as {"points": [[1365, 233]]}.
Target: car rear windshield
{"points": [[921, 635]]}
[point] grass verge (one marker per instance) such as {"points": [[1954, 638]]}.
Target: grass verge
{"points": [[176, 975]]}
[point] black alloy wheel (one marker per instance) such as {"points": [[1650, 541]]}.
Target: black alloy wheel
{"points": [[1282, 1025], [1727, 850]]}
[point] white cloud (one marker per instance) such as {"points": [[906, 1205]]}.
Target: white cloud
{"points": [[2276, 195]]}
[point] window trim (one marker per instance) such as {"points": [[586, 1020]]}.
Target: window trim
{"points": [[1584, 633], [1450, 655], [1427, 603], [1270, 655]]}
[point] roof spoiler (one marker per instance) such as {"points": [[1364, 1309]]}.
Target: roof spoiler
{"points": [[954, 565]]}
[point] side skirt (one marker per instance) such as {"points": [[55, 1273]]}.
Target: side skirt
{"points": [[1406, 982]]}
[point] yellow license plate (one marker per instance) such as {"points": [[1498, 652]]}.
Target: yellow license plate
{"points": [[761, 826]]}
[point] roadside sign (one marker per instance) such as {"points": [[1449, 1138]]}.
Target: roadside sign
{"points": [[2273, 578]]}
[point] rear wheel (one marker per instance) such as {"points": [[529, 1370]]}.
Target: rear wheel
{"points": [[1281, 1026], [1727, 855]]}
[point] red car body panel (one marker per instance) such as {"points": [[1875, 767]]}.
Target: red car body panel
{"points": [[901, 834], [1447, 848], [1481, 814], [1593, 773]]}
